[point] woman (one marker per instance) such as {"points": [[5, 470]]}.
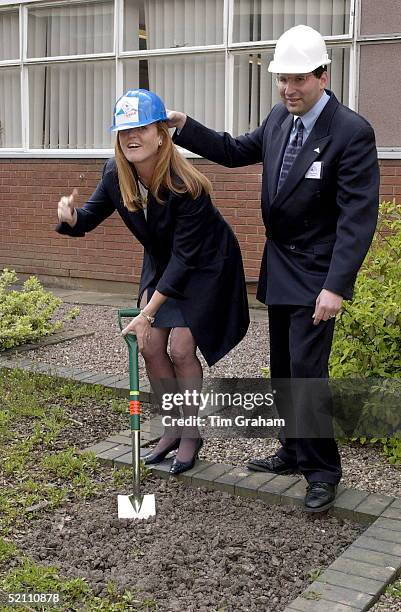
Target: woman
{"points": [[192, 289]]}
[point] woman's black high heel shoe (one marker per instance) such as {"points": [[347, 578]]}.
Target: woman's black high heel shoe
{"points": [[177, 467], [158, 457]]}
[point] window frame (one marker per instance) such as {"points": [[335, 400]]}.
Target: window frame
{"points": [[352, 39]]}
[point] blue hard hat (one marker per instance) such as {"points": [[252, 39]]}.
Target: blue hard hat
{"points": [[137, 107]]}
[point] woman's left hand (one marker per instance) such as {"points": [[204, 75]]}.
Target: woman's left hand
{"points": [[141, 328]]}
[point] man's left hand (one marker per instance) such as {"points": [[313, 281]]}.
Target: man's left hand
{"points": [[328, 305]]}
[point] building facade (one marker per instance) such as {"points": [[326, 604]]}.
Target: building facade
{"points": [[63, 64]]}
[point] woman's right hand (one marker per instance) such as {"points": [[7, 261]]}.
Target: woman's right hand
{"points": [[66, 209], [141, 328]]}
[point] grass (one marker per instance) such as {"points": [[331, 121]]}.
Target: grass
{"points": [[312, 595], [394, 590], [315, 573], [31, 430], [40, 470], [7, 551], [74, 593]]}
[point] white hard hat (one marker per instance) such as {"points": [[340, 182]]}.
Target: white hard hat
{"points": [[300, 49]]}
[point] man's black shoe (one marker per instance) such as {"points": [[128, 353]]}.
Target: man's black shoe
{"points": [[272, 464], [319, 496]]}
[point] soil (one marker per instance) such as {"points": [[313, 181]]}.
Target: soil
{"points": [[204, 550], [90, 423]]}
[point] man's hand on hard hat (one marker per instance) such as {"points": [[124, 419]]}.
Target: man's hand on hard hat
{"points": [[175, 119], [328, 305], [66, 209]]}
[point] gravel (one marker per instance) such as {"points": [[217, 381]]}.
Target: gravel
{"points": [[386, 603], [106, 351], [364, 467]]}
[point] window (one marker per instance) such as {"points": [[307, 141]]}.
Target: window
{"points": [[10, 80], [169, 24], [9, 35], [207, 57], [157, 34], [191, 82], [256, 20], [78, 29], [10, 108], [71, 105]]}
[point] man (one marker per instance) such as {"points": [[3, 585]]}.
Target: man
{"points": [[319, 205]]}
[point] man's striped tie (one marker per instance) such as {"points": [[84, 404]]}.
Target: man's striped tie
{"points": [[293, 148]]}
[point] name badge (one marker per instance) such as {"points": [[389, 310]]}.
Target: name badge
{"points": [[315, 171]]}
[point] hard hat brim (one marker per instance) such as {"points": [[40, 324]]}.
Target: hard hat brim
{"points": [[277, 68], [133, 124]]}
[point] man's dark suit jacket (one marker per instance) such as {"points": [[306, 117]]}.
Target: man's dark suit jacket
{"points": [[318, 230], [191, 254]]}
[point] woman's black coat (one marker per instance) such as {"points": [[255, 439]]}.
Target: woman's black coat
{"points": [[191, 254]]}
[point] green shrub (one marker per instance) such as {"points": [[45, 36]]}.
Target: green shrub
{"points": [[367, 341], [25, 315]]}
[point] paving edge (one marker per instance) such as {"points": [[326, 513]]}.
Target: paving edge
{"points": [[353, 582], [117, 382], [56, 338]]}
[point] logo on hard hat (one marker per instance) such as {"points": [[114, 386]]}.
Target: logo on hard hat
{"points": [[128, 110]]}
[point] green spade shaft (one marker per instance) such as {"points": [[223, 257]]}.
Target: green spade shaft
{"points": [[134, 404]]}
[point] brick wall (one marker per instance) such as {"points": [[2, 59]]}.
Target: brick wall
{"points": [[31, 188], [390, 185]]}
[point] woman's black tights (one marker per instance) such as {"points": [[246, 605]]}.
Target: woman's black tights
{"points": [[175, 373]]}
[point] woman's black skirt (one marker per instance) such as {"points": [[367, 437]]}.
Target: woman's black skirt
{"points": [[169, 314]]}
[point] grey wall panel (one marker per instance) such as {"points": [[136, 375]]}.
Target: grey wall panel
{"points": [[380, 17], [380, 91]]}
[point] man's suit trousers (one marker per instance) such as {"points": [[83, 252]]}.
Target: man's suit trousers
{"points": [[300, 351]]}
